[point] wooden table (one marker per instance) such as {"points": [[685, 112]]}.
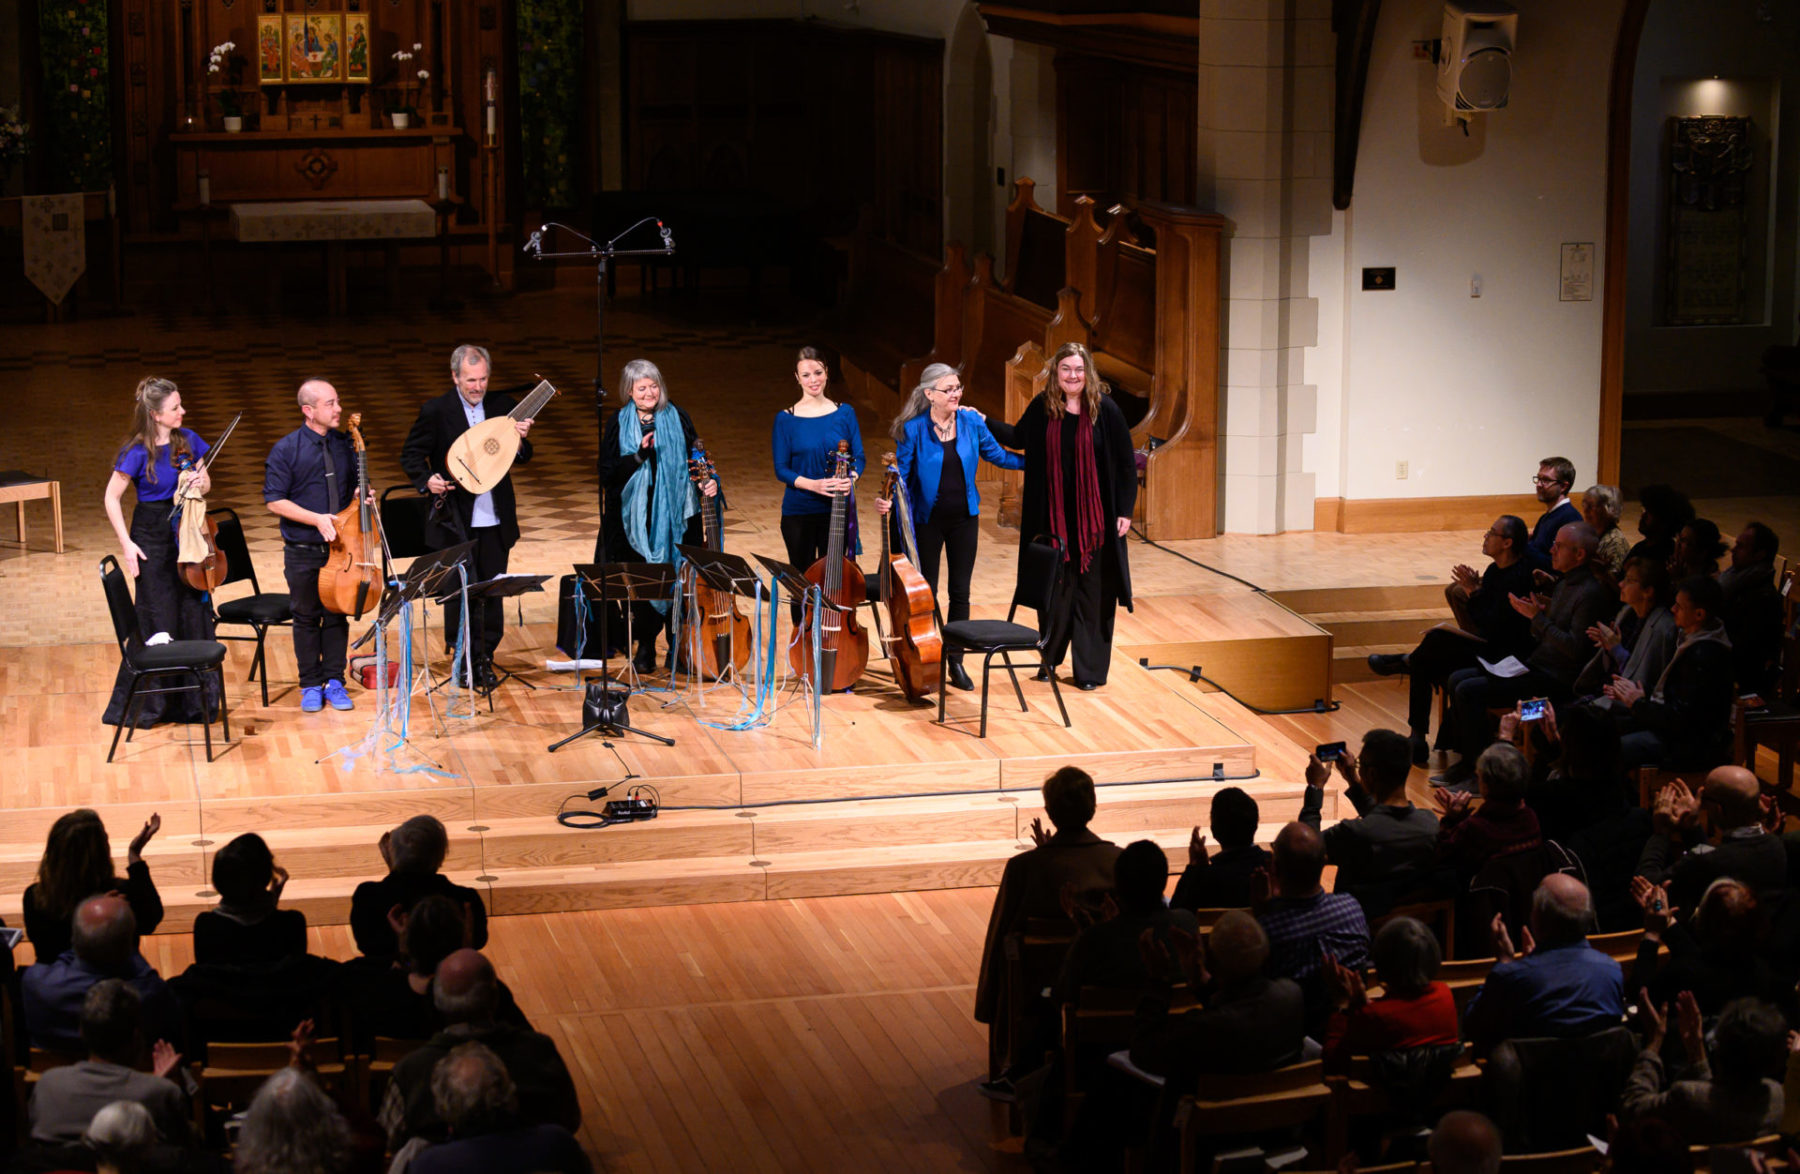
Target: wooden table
{"points": [[332, 223], [20, 488]]}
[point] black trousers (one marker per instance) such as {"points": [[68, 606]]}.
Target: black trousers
{"points": [[320, 637], [164, 604], [1474, 690], [1438, 655], [806, 536], [958, 537], [487, 560], [1081, 619]]}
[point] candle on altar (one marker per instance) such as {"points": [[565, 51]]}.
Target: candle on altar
{"points": [[443, 191], [204, 189]]}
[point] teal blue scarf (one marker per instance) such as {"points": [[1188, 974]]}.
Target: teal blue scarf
{"points": [[675, 499]]}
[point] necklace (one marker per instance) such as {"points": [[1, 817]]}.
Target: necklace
{"points": [[946, 430]]}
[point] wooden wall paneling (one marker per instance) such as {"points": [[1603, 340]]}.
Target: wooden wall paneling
{"points": [[1123, 132], [949, 292], [1025, 377]]}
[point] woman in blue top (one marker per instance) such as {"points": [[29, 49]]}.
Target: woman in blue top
{"points": [[805, 442], [939, 444], [147, 461]]}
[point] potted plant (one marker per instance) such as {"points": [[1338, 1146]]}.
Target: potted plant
{"points": [[224, 59], [15, 141], [403, 102]]}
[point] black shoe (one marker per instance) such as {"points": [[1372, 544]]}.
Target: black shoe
{"points": [[1421, 750], [645, 660], [1043, 673], [1001, 1090], [958, 676], [1456, 776], [485, 676], [1384, 664], [1087, 686]]}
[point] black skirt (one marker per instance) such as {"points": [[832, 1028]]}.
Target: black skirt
{"points": [[164, 604]]}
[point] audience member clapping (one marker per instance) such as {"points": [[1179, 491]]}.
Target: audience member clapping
{"points": [[1106, 953], [477, 1099], [1390, 846], [105, 945], [1601, 507], [1637, 644], [1698, 839], [247, 928], [77, 864], [1557, 985], [1470, 837], [1683, 721], [466, 993], [1732, 1100], [414, 853], [1415, 1010], [292, 1127], [66, 1098], [1717, 954], [1222, 880]]}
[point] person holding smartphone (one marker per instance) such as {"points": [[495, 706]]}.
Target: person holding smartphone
{"points": [[1391, 844]]}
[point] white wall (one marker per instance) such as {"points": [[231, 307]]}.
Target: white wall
{"points": [[1684, 46], [1472, 391]]}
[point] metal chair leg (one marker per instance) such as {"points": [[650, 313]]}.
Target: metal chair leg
{"points": [[987, 665], [224, 712], [1056, 692], [1006, 658], [205, 718], [130, 702]]}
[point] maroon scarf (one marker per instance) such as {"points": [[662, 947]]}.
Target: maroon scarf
{"points": [[1089, 522]]}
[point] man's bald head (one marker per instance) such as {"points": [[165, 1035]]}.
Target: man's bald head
{"points": [[104, 933], [314, 390], [1735, 795], [1237, 948], [464, 988], [1562, 910], [1299, 860], [1464, 1142]]}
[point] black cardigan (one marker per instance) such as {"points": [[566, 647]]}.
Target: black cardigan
{"points": [[616, 469], [1113, 459]]}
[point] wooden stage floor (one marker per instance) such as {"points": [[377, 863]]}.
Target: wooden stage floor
{"points": [[888, 800]]}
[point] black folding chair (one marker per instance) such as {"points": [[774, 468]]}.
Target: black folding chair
{"points": [[1040, 569], [403, 513], [260, 610], [178, 658]]}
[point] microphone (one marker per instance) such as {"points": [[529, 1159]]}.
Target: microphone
{"points": [[534, 245], [668, 238]]}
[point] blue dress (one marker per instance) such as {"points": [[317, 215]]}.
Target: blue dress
{"points": [[804, 446]]}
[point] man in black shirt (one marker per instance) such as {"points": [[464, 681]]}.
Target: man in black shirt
{"points": [[311, 475], [1487, 625]]}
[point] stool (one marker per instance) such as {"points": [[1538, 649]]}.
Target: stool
{"points": [[20, 487]]}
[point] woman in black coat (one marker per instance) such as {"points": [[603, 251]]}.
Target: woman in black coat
{"points": [[1085, 504], [651, 504]]}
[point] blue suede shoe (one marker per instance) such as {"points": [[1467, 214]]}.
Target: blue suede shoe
{"points": [[312, 699], [334, 693]]}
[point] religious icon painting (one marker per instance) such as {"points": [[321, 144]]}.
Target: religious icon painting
{"points": [[268, 49], [356, 46], [315, 47]]}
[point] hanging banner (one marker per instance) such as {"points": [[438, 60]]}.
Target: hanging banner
{"points": [[55, 237]]}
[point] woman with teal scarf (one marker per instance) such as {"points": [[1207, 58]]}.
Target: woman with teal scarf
{"points": [[651, 505]]}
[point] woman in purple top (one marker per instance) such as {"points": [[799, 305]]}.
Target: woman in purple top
{"points": [[148, 462]]}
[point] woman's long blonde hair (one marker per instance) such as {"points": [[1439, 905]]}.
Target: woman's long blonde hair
{"points": [[1092, 388], [153, 391]]}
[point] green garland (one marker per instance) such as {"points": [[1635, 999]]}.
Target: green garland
{"points": [[550, 37], [77, 97]]}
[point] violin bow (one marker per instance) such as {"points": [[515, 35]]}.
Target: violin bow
{"points": [[214, 450]]}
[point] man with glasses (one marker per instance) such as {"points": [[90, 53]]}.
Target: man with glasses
{"points": [[1554, 478], [1486, 625], [1560, 648]]}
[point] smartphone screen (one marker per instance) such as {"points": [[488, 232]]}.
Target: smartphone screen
{"points": [[10, 937], [1329, 751], [1532, 710]]}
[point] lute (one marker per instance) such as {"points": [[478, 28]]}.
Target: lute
{"points": [[480, 458]]}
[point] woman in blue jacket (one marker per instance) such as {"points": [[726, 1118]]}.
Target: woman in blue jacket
{"points": [[939, 442]]}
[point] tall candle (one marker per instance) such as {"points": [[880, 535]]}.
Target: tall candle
{"points": [[490, 123], [205, 190], [443, 185]]}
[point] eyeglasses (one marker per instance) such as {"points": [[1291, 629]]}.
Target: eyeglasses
{"points": [[1546, 481], [956, 390]]}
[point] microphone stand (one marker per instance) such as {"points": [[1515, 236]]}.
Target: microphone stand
{"points": [[601, 255]]}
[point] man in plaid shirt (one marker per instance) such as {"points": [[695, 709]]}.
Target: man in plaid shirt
{"points": [[1304, 922]]}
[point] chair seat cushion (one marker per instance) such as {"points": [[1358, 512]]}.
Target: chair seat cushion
{"points": [[267, 608], [177, 654], [990, 634]]}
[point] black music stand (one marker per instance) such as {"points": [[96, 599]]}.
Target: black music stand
{"points": [[629, 582], [499, 587], [722, 572], [799, 589]]}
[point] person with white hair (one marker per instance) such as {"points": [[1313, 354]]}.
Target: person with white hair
{"points": [[939, 445], [652, 503], [292, 1127], [121, 1137]]}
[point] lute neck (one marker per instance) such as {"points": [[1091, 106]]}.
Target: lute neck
{"points": [[531, 405]]}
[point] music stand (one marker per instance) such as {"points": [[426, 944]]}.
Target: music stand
{"points": [[722, 572], [499, 587], [629, 582], [800, 589]]}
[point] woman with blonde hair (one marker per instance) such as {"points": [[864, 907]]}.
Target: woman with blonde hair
{"points": [[1080, 488], [939, 444], [151, 460], [1601, 508]]}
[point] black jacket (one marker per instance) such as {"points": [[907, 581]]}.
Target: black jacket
{"points": [[1693, 718], [427, 448], [1578, 602], [616, 469], [1117, 467]]}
